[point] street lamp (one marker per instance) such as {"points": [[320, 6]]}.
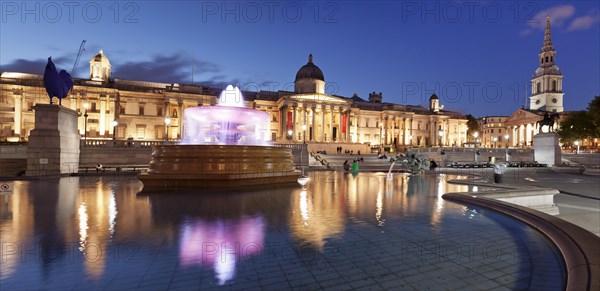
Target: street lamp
{"points": [[506, 137], [114, 125], [85, 116], [410, 139], [290, 132], [441, 134], [495, 140], [475, 135], [577, 144], [167, 122], [304, 133]]}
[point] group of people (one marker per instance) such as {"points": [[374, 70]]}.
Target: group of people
{"points": [[354, 167]]}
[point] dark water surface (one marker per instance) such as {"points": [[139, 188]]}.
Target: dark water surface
{"points": [[342, 232]]}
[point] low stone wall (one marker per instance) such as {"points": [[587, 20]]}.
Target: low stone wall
{"points": [[468, 154], [13, 159], [583, 159], [331, 147], [91, 156]]}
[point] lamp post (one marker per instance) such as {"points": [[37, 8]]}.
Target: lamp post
{"points": [[475, 135], [290, 132], [495, 140], [114, 125], [441, 134], [167, 122], [85, 116], [410, 139], [577, 144], [304, 133], [506, 137]]}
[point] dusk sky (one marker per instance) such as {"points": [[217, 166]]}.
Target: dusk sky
{"points": [[478, 56]]}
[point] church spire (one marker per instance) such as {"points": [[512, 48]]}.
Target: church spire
{"points": [[310, 58], [547, 37]]}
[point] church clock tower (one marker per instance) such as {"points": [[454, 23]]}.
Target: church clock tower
{"points": [[546, 85]]}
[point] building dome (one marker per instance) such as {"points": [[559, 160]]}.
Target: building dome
{"points": [[100, 67], [433, 97], [310, 71], [100, 57]]}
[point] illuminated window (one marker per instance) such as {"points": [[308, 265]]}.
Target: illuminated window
{"points": [[141, 132]]}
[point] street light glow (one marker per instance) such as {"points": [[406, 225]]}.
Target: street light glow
{"points": [[114, 123], [167, 120]]}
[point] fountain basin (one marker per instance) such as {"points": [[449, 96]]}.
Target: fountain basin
{"points": [[217, 166]]}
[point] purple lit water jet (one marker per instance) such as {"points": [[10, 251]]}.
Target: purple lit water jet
{"points": [[228, 123]]}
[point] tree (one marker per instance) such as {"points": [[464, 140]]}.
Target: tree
{"points": [[577, 126], [472, 126], [594, 115]]}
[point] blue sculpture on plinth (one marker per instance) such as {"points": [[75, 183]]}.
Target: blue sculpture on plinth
{"points": [[57, 84]]}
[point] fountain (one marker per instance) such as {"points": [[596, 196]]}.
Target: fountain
{"points": [[223, 146]]}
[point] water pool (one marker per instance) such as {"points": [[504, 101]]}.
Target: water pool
{"points": [[341, 232]]}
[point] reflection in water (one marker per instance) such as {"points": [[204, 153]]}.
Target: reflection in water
{"points": [[112, 212], [220, 243], [318, 211], [304, 206], [379, 208], [83, 226], [220, 231]]}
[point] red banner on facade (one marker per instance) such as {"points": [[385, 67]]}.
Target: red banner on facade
{"points": [[289, 121], [344, 123]]}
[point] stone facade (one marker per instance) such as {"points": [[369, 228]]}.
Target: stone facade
{"points": [[140, 109]]}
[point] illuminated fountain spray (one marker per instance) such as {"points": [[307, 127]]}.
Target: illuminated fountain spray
{"points": [[223, 146], [228, 123]]}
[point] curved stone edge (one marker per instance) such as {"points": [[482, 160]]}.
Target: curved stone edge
{"points": [[578, 246], [592, 171]]}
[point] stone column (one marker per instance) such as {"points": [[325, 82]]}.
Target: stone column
{"points": [[54, 142], [103, 120], [410, 131], [322, 123], [313, 110], [294, 109], [330, 123], [405, 140], [18, 115], [348, 125], [339, 132], [180, 117]]}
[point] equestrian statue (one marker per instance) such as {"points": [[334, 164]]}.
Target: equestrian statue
{"points": [[549, 121]]}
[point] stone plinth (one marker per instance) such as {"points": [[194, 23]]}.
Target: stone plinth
{"points": [[54, 142], [546, 149]]}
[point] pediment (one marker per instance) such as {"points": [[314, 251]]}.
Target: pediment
{"points": [[318, 98], [522, 116]]}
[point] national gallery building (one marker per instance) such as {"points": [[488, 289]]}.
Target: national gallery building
{"points": [[122, 109]]}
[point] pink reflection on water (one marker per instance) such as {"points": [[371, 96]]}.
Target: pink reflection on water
{"points": [[221, 243]]}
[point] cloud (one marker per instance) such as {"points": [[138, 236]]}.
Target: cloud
{"points": [[585, 22], [558, 16], [35, 66], [174, 68], [562, 17]]}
